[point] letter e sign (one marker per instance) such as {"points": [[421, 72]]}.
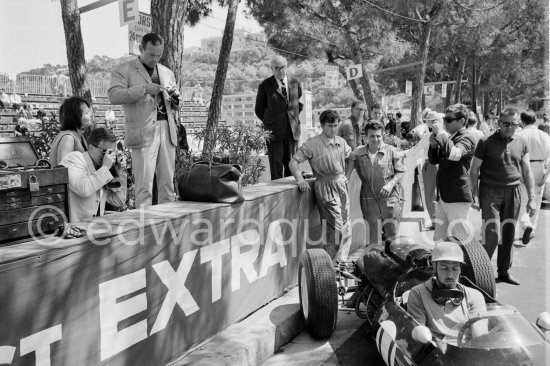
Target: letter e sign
{"points": [[354, 72], [128, 11]]}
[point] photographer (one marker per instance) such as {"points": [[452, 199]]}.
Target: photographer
{"points": [[92, 174]]}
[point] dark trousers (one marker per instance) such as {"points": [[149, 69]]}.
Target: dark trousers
{"points": [[500, 211], [280, 153], [429, 173]]}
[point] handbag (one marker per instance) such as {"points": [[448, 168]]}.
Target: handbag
{"points": [[210, 182]]}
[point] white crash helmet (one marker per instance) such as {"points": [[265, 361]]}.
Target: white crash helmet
{"points": [[447, 251]]}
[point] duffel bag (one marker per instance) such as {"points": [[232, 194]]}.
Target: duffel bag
{"points": [[210, 182]]}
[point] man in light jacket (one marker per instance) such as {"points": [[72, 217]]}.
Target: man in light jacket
{"points": [[89, 172], [150, 97]]}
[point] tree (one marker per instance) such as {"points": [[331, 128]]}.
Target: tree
{"points": [[75, 49], [219, 80], [168, 18], [329, 28]]}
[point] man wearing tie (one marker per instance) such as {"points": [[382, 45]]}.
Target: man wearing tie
{"points": [[278, 107]]}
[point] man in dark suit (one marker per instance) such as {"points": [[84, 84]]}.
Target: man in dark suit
{"points": [[453, 152], [278, 107]]}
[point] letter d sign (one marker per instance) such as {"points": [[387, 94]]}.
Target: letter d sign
{"points": [[354, 72], [128, 11]]}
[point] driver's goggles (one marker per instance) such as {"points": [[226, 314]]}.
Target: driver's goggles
{"points": [[444, 296]]}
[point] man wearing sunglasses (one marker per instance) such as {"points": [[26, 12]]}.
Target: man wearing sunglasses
{"points": [[453, 151], [441, 303], [500, 161], [89, 173]]}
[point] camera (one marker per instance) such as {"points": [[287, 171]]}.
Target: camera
{"points": [[114, 183]]}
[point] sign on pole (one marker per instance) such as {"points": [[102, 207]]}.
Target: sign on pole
{"points": [[128, 11], [354, 72], [408, 88], [444, 90], [136, 31], [331, 76], [429, 89]]}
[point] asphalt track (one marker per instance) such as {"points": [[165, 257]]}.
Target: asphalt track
{"points": [[350, 344]]}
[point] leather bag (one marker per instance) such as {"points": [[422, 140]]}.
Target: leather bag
{"points": [[210, 182]]}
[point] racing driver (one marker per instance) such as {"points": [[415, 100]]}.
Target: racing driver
{"points": [[441, 303]]}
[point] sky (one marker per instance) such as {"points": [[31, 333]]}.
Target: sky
{"points": [[34, 36]]}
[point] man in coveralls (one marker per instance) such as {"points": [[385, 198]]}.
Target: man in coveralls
{"points": [[380, 168], [327, 154]]}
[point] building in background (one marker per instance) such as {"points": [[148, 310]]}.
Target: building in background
{"points": [[242, 40]]}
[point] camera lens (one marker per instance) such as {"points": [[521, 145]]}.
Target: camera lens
{"points": [[113, 184]]}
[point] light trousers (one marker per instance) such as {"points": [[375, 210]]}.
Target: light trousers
{"points": [[159, 158], [537, 167], [452, 219]]}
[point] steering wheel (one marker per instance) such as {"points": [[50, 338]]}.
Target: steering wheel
{"points": [[466, 325]]}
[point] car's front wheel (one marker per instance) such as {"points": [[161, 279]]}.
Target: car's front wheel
{"points": [[478, 266], [318, 293]]}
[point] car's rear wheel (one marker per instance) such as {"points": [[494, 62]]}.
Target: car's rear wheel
{"points": [[318, 293], [478, 268]]}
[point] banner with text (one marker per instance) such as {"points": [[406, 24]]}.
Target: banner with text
{"points": [[331, 76], [136, 31], [145, 286]]}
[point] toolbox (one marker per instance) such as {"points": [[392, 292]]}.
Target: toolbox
{"points": [[34, 197]]}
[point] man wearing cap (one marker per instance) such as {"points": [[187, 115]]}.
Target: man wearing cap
{"points": [[500, 161], [441, 303], [454, 155]]}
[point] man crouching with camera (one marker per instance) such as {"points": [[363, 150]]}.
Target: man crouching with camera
{"points": [[95, 176]]}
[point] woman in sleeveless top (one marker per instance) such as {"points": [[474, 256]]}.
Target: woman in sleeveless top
{"points": [[75, 116]]}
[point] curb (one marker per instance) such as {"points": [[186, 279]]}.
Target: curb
{"points": [[254, 339]]}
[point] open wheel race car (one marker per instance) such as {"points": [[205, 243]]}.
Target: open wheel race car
{"points": [[379, 282]]}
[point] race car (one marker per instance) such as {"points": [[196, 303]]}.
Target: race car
{"points": [[380, 279]]}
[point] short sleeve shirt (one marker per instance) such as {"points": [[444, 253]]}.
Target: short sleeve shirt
{"points": [[327, 159], [350, 130], [375, 173], [501, 158], [537, 142]]}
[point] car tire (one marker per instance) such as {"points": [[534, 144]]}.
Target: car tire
{"points": [[318, 293], [478, 268]]}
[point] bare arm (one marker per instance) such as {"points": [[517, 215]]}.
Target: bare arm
{"points": [[529, 184], [474, 175]]}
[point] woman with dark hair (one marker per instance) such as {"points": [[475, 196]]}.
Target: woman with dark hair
{"points": [[75, 117]]}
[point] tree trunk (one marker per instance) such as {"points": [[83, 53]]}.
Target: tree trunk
{"points": [[448, 97], [355, 89], [459, 75], [219, 80], [168, 18], [75, 49], [418, 85]]}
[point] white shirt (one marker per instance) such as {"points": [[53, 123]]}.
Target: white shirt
{"points": [[537, 141], [15, 98]]}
